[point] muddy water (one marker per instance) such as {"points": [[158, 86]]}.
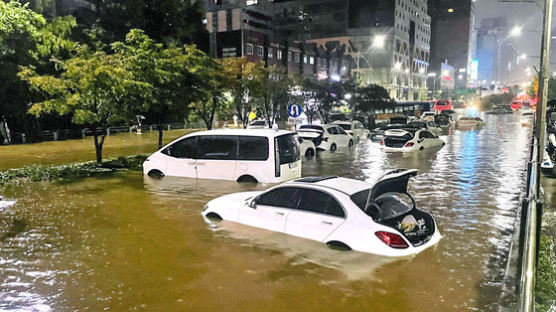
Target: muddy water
{"points": [[132, 243]]}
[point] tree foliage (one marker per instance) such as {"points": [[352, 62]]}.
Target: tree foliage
{"points": [[16, 18], [92, 87], [367, 98]]}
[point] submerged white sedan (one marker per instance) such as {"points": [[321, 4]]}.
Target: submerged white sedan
{"points": [[344, 213], [408, 140]]}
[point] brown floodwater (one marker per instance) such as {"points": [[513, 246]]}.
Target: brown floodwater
{"points": [[131, 243]]}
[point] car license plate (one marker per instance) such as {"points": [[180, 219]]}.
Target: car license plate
{"points": [[292, 165]]}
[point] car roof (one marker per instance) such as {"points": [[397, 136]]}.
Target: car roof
{"points": [[271, 133], [343, 185]]}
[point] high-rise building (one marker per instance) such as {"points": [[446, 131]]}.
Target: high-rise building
{"points": [[452, 38], [386, 42], [490, 39]]}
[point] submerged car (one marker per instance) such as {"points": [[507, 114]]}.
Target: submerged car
{"points": [[526, 119], [326, 137], [428, 116], [355, 128], [469, 122], [258, 124], [343, 213], [408, 140], [306, 147]]}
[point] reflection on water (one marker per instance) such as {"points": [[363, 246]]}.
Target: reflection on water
{"points": [[129, 242]]}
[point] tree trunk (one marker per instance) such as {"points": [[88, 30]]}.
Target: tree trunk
{"points": [[160, 135], [98, 144]]}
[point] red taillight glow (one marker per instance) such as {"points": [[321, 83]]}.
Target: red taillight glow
{"points": [[391, 239], [409, 144], [381, 142]]}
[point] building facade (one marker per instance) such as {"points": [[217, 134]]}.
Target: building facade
{"points": [[385, 42], [453, 38]]}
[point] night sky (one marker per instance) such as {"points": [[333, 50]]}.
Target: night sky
{"points": [[527, 15]]}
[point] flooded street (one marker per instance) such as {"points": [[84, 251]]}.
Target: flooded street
{"points": [[133, 243]]}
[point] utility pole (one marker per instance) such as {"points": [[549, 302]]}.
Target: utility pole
{"points": [[540, 127]]}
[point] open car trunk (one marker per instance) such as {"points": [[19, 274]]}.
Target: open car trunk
{"points": [[385, 205], [311, 134], [397, 138]]}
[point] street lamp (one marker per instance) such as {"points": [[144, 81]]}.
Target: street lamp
{"points": [[516, 31], [379, 41]]}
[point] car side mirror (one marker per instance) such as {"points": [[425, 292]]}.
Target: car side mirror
{"points": [[253, 203]]}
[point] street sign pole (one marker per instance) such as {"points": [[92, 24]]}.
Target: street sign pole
{"points": [[540, 127]]}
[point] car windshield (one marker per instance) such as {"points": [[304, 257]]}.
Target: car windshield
{"points": [[387, 206], [258, 123]]}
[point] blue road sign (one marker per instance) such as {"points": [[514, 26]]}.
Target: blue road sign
{"points": [[294, 110]]}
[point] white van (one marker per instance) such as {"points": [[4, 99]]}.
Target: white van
{"points": [[265, 155]]}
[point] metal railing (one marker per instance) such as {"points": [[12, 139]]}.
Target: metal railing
{"points": [[531, 215], [69, 134]]}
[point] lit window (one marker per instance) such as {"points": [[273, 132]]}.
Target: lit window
{"points": [[311, 60], [260, 51], [289, 55], [305, 59], [279, 54], [450, 10], [249, 49], [251, 2], [270, 54], [297, 57]]}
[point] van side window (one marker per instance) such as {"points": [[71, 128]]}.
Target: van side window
{"points": [[339, 130], [253, 148], [186, 148], [332, 130], [222, 147], [288, 148]]}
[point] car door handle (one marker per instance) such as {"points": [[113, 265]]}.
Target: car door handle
{"points": [[201, 163], [326, 222], [279, 213], [191, 163]]}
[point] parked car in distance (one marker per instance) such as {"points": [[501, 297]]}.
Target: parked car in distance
{"points": [[526, 119], [343, 213], [378, 134], [258, 124], [469, 122], [326, 137], [243, 155], [355, 128], [428, 116], [408, 140], [306, 147]]}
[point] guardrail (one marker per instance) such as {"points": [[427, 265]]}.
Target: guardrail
{"points": [[529, 237], [69, 134]]}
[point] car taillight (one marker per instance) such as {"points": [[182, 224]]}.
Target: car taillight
{"points": [[409, 144], [381, 142], [391, 239]]}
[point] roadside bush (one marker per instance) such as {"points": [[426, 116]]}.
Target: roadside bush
{"points": [[545, 280], [35, 173]]}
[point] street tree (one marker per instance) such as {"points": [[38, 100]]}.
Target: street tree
{"points": [[210, 86], [171, 22], [368, 98], [168, 72], [269, 90], [91, 88], [237, 73]]}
